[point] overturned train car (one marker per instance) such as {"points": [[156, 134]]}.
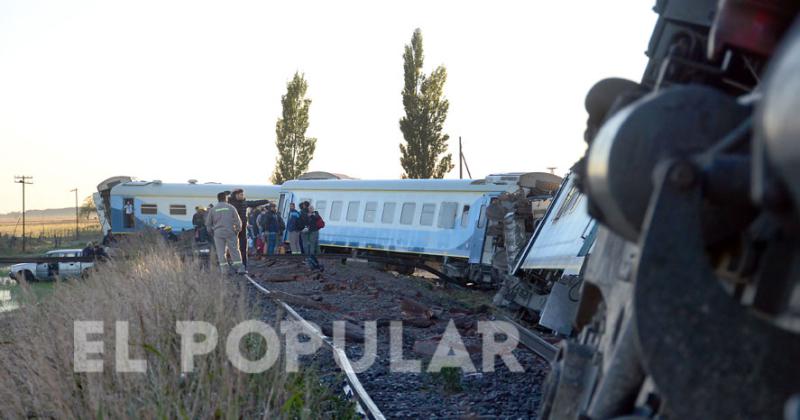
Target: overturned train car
{"points": [[545, 280], [690, 304]]}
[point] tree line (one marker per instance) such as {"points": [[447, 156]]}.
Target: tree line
{"points": [[423, 152]]}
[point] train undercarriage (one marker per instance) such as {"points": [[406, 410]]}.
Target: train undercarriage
{"points": [[690, 305]]}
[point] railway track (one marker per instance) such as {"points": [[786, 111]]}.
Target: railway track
{"points": [[359, 294], [365, 404], [533, 341]]}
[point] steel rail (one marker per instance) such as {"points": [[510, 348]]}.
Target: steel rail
{"points": [[532, 340], [363, 399]]}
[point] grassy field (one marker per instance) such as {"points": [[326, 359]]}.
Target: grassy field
{"points": [[44, 234], [152, 290], [45, 226], [12, 295]]}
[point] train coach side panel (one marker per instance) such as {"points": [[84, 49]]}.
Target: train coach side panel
{"points": [[439, 223], [171, 204], [565, 236]]}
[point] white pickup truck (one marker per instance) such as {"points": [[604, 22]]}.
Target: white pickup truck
{"points": [[48, 271]]}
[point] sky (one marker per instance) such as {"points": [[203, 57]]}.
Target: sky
{"points": [[179, 90]]}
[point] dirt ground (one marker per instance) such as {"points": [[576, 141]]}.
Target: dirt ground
{"points": [[357, 293]]}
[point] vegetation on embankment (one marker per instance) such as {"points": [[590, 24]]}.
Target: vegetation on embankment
{"points": [[152, 290]]}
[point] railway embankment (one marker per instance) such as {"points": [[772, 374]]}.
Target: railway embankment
{"points": [[111, 346], [359, 298]]}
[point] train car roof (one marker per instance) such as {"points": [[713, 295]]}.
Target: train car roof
{"points": [[468, 185], [155, 188]]}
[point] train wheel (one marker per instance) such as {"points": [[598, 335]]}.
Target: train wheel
{"points": [[405, 270]]}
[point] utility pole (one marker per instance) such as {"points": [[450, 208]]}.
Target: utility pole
{"points": [[76, 212], [460, 159], [24, 180]]}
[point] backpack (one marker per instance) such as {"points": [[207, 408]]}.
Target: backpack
{"points": [[320, 223]]}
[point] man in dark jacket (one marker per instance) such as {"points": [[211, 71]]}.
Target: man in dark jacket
{"points": [[238, 201], [310, 231], [315, 223], [89, 250], [271, 224], [199, 222]]}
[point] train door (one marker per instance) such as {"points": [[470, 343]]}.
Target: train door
{"points": [[128, 213], [476, 245], [283, 210]]}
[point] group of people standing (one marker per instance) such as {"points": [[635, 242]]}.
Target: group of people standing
{"points": [[231, 228]]}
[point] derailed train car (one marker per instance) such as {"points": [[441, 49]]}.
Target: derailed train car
{"points": [[690, 304], [447, 221], [546, 278]]}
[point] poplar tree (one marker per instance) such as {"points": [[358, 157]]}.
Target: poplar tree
{"points": [[422, 155], [295, 150]]}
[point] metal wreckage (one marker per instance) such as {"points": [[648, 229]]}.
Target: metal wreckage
{"points": [[686, 255]]}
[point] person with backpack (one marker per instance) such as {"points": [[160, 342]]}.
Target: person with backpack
{"points": [[316, 220], [310, 220], [294, 227]]}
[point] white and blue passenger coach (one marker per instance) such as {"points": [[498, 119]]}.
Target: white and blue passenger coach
{"points": [[440, 219], [428, 217], [154, 203]]}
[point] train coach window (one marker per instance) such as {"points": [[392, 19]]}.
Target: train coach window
{"points": [[352, 211], [388, 212], [336, 210], [407, 213], [177, 209], [465, 216], [369, 211], [149, 208], [447, 215], [482, 217], [320, 206], [426, 217]]}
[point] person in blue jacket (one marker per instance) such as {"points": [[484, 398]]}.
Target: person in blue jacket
{"points": [[294, 227]]}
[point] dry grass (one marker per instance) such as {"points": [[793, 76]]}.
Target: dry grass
{"points": [[152, 290], [45, 226]]}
